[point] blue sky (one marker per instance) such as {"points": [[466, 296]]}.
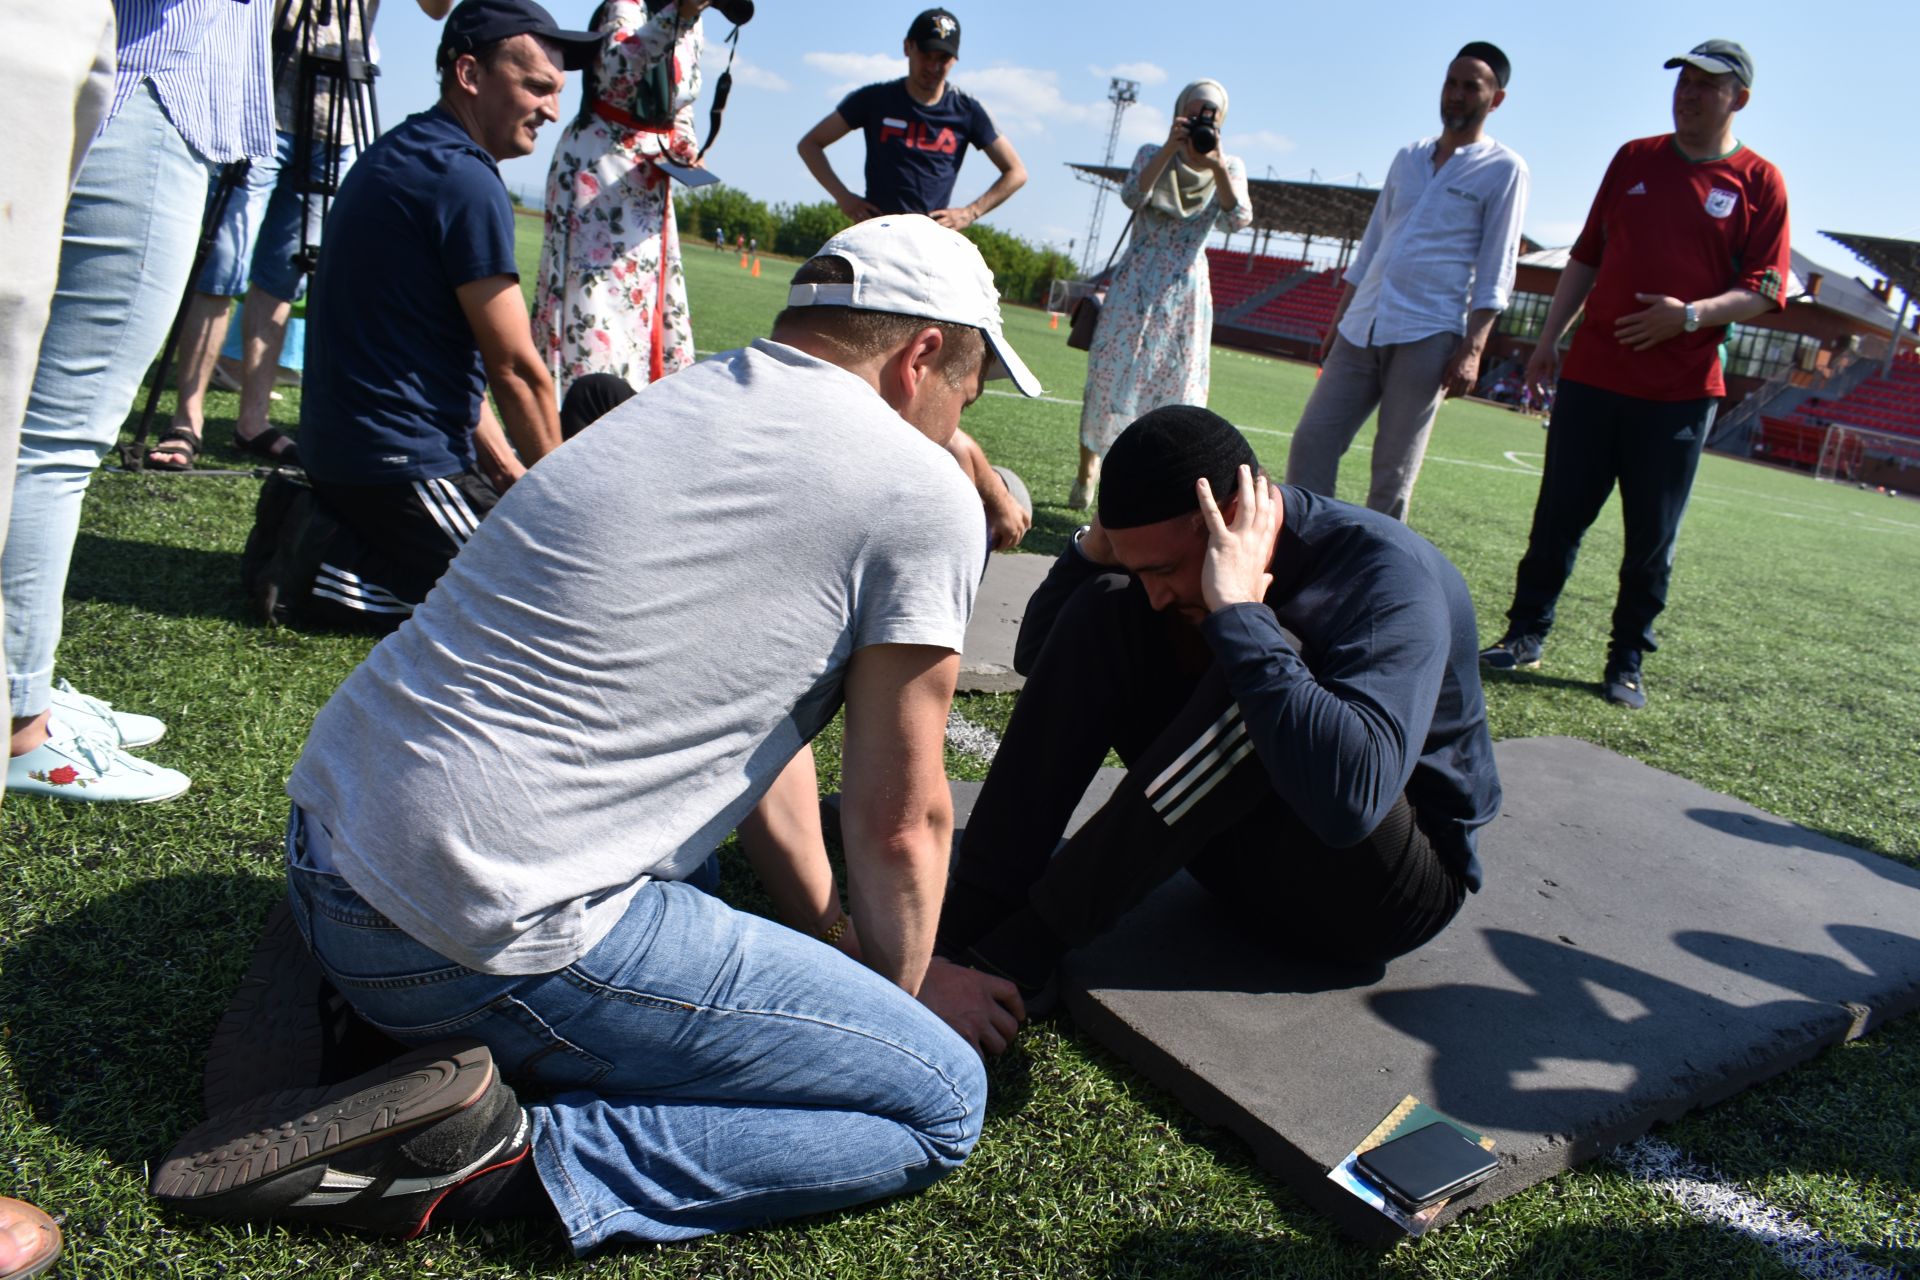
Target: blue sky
{"points": [[1331, 90]]}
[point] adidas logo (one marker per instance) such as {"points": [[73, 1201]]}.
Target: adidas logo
{"points": [[1637, 189], [1684, 433]]}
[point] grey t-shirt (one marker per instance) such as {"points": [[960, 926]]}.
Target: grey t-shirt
{"points": [[636, 641]]}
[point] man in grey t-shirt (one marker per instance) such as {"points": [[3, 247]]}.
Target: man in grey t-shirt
{"points": [[501, 817]]}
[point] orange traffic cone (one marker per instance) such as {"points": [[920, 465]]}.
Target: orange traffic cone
{"points": [[1053, 319], [743, 262], [756, 268]]}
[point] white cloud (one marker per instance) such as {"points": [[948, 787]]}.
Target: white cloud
{"points": [[851, 70], [1259, 142], [1025, 100], [752, 73], [1144, 72]]}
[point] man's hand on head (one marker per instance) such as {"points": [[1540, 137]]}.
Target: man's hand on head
{"points": [[985, 1010], [1238, 554], [1663, 318]]}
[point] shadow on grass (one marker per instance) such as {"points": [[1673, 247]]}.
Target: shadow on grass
{"points": [[109, 1008], [1767, 829], [1536, 680], [181, 582]]}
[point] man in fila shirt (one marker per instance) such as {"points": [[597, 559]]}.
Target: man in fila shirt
{"points": [[1434, 271], [918, 129], [1687, 235]]}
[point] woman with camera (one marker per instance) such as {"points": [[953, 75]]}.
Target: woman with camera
{"points": [[1150, 347], [611, 297]]}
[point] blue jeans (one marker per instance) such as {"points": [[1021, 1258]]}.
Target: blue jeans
{"points": [[125, 254], [714, 1070], [261, 228]]}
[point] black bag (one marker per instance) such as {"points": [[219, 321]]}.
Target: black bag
{"points": [[1082, 319], [1085, 316]]}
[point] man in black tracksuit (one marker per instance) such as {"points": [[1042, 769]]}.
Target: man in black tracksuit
{"points": [[1293, 684]]}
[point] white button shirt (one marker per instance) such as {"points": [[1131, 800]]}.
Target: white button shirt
{"points": [[1439, 245]]}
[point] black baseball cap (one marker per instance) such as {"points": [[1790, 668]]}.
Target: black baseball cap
{"points": [[1717, 58], [1489, 53], [474, 24], [936, 29]]}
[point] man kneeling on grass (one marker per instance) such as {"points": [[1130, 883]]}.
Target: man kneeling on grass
{"points": [[502, 818], [1293, 684]]}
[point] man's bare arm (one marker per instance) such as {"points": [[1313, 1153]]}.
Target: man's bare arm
{"points": [[813, 153], [1013, 176], [1463, 367], [1666, 317], [1569, 296], [436, 9], [896, 814], [497, 314], [492, 454], [783, 840], [1007, 520]]}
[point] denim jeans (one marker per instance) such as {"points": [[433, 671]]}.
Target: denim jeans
{"points": [[125, 256], [261, 228], [713, 1070], [1403, 381]]}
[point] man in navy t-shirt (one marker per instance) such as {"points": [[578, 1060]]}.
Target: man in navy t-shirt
{"points": [[417, 311], [918, 130]]}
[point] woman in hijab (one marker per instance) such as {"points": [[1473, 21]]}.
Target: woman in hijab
{"points": [[1151, 345]]}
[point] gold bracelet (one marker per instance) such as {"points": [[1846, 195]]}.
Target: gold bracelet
{"points": [[833, 932]]}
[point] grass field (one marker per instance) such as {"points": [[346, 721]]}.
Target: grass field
{"points": [[1788, 677]]}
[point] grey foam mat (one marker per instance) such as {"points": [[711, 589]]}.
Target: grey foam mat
{"points": [[1643, 946], [986, 661]]}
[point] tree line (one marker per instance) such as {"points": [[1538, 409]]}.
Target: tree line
{"points": [[1023, 271]]}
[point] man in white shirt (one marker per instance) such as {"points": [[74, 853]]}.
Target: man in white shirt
{"points": [[1433, 271]]}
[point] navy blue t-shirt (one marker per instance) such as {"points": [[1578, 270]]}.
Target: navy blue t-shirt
{"points": [[914, 151], [393, 375]]}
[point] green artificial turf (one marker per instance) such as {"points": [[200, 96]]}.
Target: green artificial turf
{"points": [[1787, 676]]}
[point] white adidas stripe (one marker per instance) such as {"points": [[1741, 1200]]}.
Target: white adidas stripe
{"points": [[1199, 744], [1240, 753], [1209, 766]]}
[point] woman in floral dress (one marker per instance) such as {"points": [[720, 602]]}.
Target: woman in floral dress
{"points": [[1151, 345], [611, 297]]}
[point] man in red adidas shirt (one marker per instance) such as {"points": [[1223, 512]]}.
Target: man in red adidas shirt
{"points": [[1687, 235]]}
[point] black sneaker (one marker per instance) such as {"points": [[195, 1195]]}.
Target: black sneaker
{"points": [[1514, 649], [1622, 680], [377, 1153]]}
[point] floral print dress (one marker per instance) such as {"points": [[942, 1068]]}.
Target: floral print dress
{"points": [[610, 296], [1151, 345]]}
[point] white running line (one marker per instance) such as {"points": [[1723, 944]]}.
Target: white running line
{"points": [[970, 739], [1703, 1195]]}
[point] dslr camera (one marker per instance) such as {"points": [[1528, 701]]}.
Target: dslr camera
{"points": [[1204, 129], [738, 12]]}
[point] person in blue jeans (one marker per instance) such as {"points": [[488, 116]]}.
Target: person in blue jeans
{"points": [[262, 225], [502, 818], [190, 91]]}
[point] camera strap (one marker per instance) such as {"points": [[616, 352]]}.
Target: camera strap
{"points": [[721, 89]]}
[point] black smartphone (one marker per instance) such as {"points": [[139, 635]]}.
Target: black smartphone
{"points": [[1430, 1164]]}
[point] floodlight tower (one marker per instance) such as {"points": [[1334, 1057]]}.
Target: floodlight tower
{"points": [[1122, 94]]}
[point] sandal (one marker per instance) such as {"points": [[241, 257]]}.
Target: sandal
{"points": [[39, 1256], [261, 444], [174, 460]]}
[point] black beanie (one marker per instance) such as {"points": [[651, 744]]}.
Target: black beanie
{"points": [[1150, 470], [1490, 54]]}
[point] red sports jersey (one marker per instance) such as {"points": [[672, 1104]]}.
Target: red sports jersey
{"points": [[1680, 228]]}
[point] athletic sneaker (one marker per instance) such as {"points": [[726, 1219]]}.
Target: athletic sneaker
{"points": [[98, 719], [377, 1153], [71, 765], [1514, 649], [1622, 679]]}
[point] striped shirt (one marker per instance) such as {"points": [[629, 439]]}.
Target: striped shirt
{"points": [[208, 61]]}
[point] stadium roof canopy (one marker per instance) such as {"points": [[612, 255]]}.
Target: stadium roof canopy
{"points": [[1315, 209], [1897, 260]]}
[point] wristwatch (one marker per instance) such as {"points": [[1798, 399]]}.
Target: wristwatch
{"points": [[1693, 319]]}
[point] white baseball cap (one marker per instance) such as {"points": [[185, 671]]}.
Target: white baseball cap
{"points": [[907, 264]]}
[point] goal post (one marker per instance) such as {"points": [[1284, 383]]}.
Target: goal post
{"points": [[1847, 450]]}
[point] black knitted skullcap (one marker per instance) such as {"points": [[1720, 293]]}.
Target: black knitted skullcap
{"points": [[1151, 469], [1491, 55]]}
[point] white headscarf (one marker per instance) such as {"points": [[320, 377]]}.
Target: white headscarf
{"points": [[1183, 190]]}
